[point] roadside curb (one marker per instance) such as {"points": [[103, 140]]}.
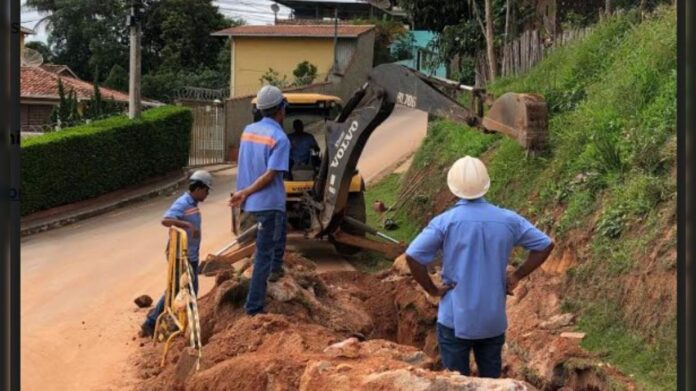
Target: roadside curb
{"points": [[113, 201], [72, 217]]}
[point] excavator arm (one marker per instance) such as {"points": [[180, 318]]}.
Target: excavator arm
{"points": [[520, 116]]}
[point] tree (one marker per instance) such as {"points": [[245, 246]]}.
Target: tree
{"points": [[177, 34], [91, 35], [117, 79], [272, 77], [304, 73], [404, 47], [86, 34], [66, 113], [490, 42]]}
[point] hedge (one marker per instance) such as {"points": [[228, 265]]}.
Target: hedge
{"points": [[89, 160]]}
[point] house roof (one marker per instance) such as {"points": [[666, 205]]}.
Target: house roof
{"points": [[61, 70], [289, 30], [39, 83]]}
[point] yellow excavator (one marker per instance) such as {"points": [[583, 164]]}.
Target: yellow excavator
{"points": [[312, 109], [329, 207]]}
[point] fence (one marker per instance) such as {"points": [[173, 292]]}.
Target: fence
{"points": [[523, 53], [207, 135]]}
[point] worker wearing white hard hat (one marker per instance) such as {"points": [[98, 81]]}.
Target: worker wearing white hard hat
{"points": [[184, 214], [476, 239], [264, 155]]}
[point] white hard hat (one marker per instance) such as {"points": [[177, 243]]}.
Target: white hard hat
{"points": [[268, 96], [202, 176], [468, 178]]}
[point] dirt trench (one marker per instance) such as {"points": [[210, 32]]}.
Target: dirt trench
{"points": [[346, 331]]}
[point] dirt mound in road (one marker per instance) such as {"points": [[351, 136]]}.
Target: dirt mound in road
{"points": [[340, 330]]}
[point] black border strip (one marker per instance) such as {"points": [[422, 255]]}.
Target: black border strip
{"points": [[15, 184], [686, 179], [9, 193]]}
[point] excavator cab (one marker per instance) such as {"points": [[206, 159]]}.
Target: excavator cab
{"points": [[314, 110]]}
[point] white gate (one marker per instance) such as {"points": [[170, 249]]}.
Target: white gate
{"points": [[207, 135]]}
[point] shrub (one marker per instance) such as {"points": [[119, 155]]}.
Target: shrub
{"points": [[89, 160]]}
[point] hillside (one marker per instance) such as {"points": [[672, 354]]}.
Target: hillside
{"points": [[605, 191]]}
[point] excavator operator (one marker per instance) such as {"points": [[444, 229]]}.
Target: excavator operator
{"points": [[302, 144]]}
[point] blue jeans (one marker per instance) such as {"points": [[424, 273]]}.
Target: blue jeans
{"points": [[454, 352], [151, 319], [270, 247]]}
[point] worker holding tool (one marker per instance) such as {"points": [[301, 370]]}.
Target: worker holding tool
{"points": [[264, 155], [476, 239], [184, 214]]}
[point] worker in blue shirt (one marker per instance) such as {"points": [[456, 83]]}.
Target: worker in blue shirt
{"points": [[302, 144], [184, 214], [476, 239], [264, 155]]}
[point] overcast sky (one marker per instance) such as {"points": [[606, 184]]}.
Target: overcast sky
{"points": [[252, 11]]}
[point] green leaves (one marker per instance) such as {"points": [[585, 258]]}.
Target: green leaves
{"points": [[89, 160]]}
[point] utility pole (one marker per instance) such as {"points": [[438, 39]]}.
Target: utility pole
{"points": [[134, 74], [335, 59]]}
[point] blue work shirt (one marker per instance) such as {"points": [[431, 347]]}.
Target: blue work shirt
{"points": [[301, 147], [186, 208], [476, 239], [264, 146]]}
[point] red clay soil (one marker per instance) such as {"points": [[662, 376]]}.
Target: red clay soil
{"points": [[311, 339], [288, 348]]}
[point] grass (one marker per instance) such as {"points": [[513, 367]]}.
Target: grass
{"points": [[387, 191], [601, 189], [650, 367]]}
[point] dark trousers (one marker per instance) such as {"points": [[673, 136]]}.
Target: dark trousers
{"points": [[270, 247], [152, 315], [455, 351]]}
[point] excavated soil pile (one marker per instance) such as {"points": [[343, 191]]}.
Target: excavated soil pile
{"points": [[337, 331]]}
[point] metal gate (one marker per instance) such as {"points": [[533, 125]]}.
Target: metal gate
{"points": [[207, 135]]}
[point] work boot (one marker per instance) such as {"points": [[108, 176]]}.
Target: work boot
{"points": [[276, 275], [146, 331]]}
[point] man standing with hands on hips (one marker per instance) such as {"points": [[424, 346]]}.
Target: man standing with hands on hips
{"points": [[264, 154], [476, 240]]}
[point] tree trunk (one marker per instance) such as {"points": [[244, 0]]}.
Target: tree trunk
{"points": [[490, 44], [607, 7]]}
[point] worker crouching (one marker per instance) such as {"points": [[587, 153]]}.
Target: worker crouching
{"points": [[184, 214]]}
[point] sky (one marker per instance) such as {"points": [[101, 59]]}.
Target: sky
{"points": [[252, 11]]}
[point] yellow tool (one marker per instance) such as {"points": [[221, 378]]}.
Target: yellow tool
{"points": [[180, 313]]}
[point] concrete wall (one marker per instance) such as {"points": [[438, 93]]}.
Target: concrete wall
{"points": [[238, 111], [253, 56], [358, 68]]}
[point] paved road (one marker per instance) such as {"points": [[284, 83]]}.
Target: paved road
{"points": [[79, 282]]}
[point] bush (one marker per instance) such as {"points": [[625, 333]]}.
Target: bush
{"points": [[89, 160]]}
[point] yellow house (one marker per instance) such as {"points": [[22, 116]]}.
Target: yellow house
{"points": [[255, 49]]}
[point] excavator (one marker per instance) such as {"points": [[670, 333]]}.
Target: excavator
{"points": [[326, 208]]}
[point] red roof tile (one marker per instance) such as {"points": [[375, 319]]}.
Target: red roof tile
{"points": [[37, 82], [288, 30]]}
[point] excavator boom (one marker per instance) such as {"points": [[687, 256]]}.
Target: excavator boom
{"points": [[522, 117]]}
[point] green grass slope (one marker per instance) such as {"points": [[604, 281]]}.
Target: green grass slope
{"points": [[606, 189]]}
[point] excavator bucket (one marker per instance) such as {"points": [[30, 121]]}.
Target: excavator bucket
{"points": [[522, 117]]}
